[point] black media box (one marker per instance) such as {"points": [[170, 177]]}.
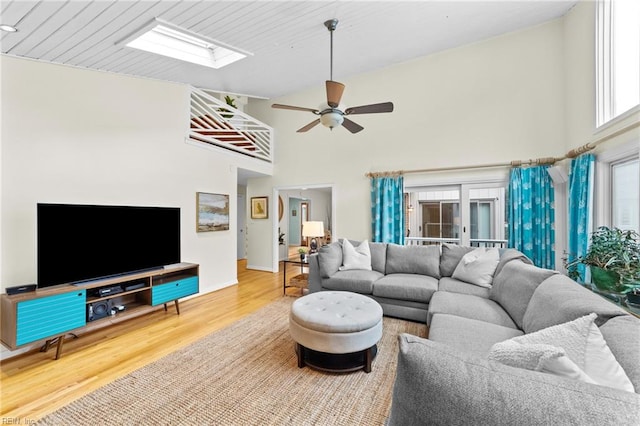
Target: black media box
{"points": [[21, 289]]}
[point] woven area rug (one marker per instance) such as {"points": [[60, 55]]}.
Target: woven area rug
{"points": [[245, 374]]}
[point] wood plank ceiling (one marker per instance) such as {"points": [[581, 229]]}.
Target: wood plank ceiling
{"points": [[288, 42]]}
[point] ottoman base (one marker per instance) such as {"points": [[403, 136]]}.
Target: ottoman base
{"points": [[336, 363]]}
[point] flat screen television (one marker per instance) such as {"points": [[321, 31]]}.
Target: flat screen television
{"points": [[79, 243]]}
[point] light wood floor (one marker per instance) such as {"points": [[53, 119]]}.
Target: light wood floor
{"points": [[35, 384]]}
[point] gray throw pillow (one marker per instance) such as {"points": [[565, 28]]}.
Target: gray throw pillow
{"points": [[450, 257], [329, 259]]}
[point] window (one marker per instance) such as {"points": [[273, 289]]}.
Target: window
{"points": [[468, 214], [618, 187], [625, 194], [618, 58]]}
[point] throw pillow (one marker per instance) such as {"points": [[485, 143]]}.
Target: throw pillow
{"points": [[478, 266], [355, 257], [537, 357], [450, 257], [580, 341]]}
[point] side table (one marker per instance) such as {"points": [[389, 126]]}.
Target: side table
{"points": [[300, 281]]}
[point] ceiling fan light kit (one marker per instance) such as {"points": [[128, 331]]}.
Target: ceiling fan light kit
{"points": [[332, 116]]}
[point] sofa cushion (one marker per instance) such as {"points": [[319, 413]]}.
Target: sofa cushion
{"points": [[622, 335], [582, 345], [329, 259], [450, 257], [468, 334], [413, 287], [358, 281], [559, 299], [456, 286], [423, 260], [468, 306], [355, 257], [378, 256], [514, 285], [478, 266], [439, 385]]}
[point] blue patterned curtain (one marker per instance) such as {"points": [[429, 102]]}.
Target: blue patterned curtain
{"points": [[530, 214], [387, 215], [580, 210]]}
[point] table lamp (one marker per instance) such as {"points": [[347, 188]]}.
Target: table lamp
{"points": [[313, 230]]}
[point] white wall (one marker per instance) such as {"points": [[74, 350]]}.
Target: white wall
{"points": [[493, 101], [78, 136]]}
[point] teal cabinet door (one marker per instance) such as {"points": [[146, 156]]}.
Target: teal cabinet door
{"points": [[49, 316], [164, 293]]}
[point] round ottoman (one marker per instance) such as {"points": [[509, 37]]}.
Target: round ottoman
{"points": [[336, 330]]}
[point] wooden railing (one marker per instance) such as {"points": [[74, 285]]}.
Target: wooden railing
{"points": [[474, 242], [215, 123]]}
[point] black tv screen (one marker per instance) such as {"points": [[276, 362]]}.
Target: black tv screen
{"points": [[79, 243]]}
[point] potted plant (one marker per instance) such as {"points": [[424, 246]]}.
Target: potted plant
{"points": [[225, 112], [614, 260], [303, 254]]}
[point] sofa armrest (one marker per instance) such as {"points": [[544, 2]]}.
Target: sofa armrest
{"points": [[315, 280], [438, 385]]}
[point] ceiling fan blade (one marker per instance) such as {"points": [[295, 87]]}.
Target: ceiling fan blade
{"points": [[296, 108], [311, 125], [370, 109], [334, 93], [351, 126]]}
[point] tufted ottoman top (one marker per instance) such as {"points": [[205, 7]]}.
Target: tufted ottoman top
{"points": [[336, 312]]}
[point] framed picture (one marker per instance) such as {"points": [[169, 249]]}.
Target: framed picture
{"points": [[259, 207], [212, 211]]}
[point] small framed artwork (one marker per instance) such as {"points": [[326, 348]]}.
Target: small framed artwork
{"points": [[213, 212], [259, 207]]}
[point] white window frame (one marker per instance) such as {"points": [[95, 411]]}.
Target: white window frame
{"points": [[605, 85], [604, 161]]}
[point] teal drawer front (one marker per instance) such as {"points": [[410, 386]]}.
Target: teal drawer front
{"points": [[50, 316], [164, 293]]}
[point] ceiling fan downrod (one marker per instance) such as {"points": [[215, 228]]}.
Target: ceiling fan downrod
{"points": [[331, 25]]}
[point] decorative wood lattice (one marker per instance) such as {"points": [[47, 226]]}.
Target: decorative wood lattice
{"points": [[215, 123]]}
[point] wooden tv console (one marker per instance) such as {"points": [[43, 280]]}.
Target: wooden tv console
{"points": [[48, 314]]}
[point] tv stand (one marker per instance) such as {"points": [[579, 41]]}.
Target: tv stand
{"points": [[49, 314]]}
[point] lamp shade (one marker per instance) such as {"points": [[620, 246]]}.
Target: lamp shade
{"points": [[313, 229]]}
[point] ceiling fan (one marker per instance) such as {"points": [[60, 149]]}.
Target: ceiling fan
{"points": [[331, 115]]}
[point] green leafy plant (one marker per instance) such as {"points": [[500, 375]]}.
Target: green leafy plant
{"points": [[302, 251], [225, 112], [617, 253]]}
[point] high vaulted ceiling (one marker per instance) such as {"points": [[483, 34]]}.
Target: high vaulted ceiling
{"points": [[288, 41]]}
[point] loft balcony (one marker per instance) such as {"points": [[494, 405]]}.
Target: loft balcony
{"points": [[215, 123]]}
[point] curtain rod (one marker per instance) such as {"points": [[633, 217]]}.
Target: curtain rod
{"points": [[515, 163]]}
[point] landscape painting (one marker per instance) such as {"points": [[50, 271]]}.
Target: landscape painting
{"points": [[213, 212]]}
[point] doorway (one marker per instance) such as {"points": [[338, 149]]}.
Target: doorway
{"points": [[313, 202], [304, 217]]}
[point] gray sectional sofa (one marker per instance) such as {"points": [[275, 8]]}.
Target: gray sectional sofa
{"points": [[452, 378]]}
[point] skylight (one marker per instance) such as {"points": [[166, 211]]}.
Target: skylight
{"points": [[163, 38]]}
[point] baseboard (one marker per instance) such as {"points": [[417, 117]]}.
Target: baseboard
{"points": [[259, 268], [6, 353]]}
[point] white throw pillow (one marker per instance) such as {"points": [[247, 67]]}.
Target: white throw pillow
{"points": [[478, 266], [579, 341], [355, 257]]}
